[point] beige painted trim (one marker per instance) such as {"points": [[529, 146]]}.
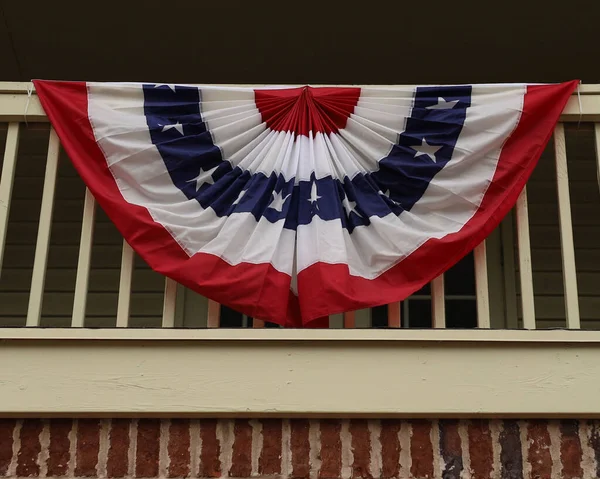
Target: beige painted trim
{"points": [[525, 266], [334, 373], [13, 103], [22, 87], [321, 336], [566, 230], [84, 261], [42, 246], [481, 286], [7, 179]]}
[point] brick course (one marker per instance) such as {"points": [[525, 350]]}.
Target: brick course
{"points": [[299, 448]]}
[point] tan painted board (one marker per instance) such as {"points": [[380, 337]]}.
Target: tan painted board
{"points": [[13, 105], [282, 378]]}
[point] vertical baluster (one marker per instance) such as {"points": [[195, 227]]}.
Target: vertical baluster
{"points": [[525, 269], [258, 323], [169, 303], [438, 302], [566, 229], [7, 180], [214, 314], [38, 277], [394, 315], [597, 130], [481, 286], [127, 257], [83, 263], [349, 320]]}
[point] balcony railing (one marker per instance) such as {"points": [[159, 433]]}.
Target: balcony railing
{"points": [[21, 113], [86, 328]]}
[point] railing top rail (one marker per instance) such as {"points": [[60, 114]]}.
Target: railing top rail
{"points": [[261, 335], [24, 87], [14, 104]]}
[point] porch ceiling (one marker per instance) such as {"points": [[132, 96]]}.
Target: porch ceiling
{"points": [[235, 41]]}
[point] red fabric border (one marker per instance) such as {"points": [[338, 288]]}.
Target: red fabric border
{"points": [[325, 285], [258, 289]]}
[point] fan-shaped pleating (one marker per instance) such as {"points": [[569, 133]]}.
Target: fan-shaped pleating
{"points": [[354, 196]]}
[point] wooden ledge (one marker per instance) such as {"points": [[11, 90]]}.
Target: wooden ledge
{"points": [[286, 335], [280, 373]]}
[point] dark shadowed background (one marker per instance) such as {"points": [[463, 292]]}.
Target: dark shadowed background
{"points": [[235, 41]]}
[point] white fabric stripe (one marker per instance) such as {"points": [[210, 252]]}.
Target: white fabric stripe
{"points": [[260, 150], [245, 141], [143, 180], [451, 199], [371, 131]]}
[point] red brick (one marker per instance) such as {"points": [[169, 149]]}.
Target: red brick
{"points": [[118, 451], [300, 446], [570, 449], [331, 449], [390, 448], [269, 461], [480, 449], [88, 447], [241, 460], [179, 448], [7, 427], [450, 449], [538, 453], [210, 465], [27, 465], [511, 455], [59, 454], [421, 449], [361, 448], [148, 448], [594, 443]]}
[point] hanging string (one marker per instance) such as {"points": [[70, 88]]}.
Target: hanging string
{"points": [[29, 93], [580, 107]]}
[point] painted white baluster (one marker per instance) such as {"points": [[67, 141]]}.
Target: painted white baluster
{"points": [[6, 181], [394, 315], [214, 314], [127, 258], [481, 287], [83, 263], [525, 269], [566, 229], [438, 302], [38, 277], [597, 129], [169, 303], [258, 323]]}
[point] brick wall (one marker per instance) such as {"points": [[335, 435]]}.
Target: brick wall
{"points": [[311, 449]]}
